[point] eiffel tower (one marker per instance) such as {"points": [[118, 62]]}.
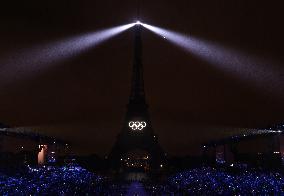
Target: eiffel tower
{"points": [[137, 134]]}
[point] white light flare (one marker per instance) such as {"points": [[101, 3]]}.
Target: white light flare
{"points": [[25, 62], [259, 72], [138, 23]]}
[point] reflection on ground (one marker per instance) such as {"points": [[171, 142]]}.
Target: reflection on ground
{"points": [[136, 189]]}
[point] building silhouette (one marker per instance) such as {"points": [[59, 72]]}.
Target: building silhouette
{"points": [[137, 145]]}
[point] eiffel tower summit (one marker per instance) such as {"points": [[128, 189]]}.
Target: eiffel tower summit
{"points": [[137, 145]]}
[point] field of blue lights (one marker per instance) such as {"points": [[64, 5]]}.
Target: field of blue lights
{"points": [[55, 181], [218, 182], [204, 181]]}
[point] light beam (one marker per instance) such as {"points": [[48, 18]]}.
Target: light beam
{"points": [[25, 62], [262, 73]]}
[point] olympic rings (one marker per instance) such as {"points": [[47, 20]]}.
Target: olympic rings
{"points": [[134, 125]]}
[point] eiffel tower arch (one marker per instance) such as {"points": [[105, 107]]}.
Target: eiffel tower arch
{"points": [[137, 134]]}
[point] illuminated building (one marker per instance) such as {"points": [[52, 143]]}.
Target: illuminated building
{"points": [[137, 146], [23, 146], [263, 148]]}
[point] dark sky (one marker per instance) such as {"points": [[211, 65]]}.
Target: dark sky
{"points": [[83, 99]]}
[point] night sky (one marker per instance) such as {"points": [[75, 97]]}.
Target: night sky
{"points": [[83, 99]]}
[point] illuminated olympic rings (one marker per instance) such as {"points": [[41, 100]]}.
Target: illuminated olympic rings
{"points": [[137, 125]]}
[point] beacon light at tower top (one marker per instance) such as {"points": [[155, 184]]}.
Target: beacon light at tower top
{"points": [[138, 22]]}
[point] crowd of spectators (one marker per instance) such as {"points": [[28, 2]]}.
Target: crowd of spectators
{"points": [[51, 180], [212, 181], [74, 180]]}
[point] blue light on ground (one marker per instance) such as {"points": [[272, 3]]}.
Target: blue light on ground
{"points": [[201, 181], [136, 188]]}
